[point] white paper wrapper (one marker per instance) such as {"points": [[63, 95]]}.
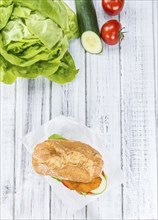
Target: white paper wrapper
{"points": [[70, 129]]}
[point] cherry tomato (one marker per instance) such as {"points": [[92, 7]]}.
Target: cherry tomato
{"points": [[111, 32], [113, 7]]}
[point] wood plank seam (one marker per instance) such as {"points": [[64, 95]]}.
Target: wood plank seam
{"points": [[121, 146], [86, 111], [50, 116], [155, 52], [14, 191]]}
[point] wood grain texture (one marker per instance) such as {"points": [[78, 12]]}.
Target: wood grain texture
{"points": [[103, 114], [138, 113], [32, 98], [70, 102], [155, 28], [115, 93], [155, 37], [7, 137]]}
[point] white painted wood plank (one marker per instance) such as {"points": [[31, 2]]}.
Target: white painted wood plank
{"points": [[155, 31], [69, 100], [7, 139], [32, 109], [138, 113], [77, 101], [103, 114]]}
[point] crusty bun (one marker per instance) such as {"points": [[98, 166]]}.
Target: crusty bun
{"points": [[66, 159]]}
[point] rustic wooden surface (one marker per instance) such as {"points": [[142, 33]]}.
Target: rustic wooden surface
{"points": [[116, 93]]}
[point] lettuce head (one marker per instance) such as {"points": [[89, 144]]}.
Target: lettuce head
{"points": [[34, 40]]}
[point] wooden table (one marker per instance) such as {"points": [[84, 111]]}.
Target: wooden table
{"points": [[115, 93]]}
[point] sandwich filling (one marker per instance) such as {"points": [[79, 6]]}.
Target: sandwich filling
{"points": [[96, 186], [83, 187]]}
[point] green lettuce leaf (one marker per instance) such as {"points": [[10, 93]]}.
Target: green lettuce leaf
{"points": [[15, 30], [54, 10], [36, 53], [56, 137], [5, 2], [34, 40], [66, 72], [44, 29], [5, 13], [6, 76], [73, 25], [21, 12]]}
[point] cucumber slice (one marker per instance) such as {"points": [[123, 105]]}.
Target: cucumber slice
{"points": [[88, 26], [102, 186], [91, 42], [97, 191]]}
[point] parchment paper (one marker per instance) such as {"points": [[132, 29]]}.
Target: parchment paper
{"points": [[70, 129]]}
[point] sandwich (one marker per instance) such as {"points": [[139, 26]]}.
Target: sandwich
{"points": [[76, 165]]}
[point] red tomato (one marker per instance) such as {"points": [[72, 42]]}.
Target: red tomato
{"points": [[113, 7], [111, 32]]}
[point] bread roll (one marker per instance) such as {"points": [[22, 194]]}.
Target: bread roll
{"points": [[66, 159]]}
